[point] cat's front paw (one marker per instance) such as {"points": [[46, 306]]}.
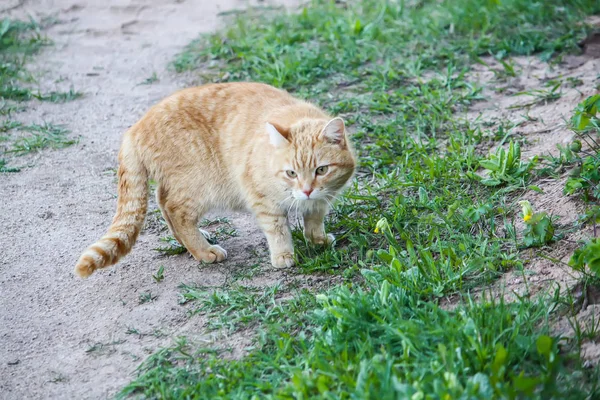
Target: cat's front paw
{"points": [[283, 260], [213, 254], [324, 240]]}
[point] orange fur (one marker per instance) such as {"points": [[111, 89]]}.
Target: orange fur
{"points": [[241, 146]]}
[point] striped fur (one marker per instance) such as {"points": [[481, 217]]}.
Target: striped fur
{"points": [[126, 225], [228, 146]]}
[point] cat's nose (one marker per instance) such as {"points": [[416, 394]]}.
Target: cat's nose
{"points": [[308, 192]]}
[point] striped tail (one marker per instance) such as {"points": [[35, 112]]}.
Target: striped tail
{"points": [[127, 223]]}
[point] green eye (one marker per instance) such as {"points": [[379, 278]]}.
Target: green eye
{"points": [[322, 170], [291, 174]]}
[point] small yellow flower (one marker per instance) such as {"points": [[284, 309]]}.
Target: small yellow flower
{"points": [[527, 210], [382, 226]]}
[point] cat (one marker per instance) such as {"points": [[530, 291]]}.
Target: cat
{"points": [[238, 146]]}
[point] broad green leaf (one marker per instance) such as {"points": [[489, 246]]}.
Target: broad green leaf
{"points": [[544, 345]]}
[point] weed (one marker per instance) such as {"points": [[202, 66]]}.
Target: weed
{"points": [[132, 331], [245, 271], [41, 137], [149, 81], [100, 348], [173, 246], [147, 297], [58, 97], [505, 166], [223, 232], [539, 229], [5, 168], [235, 307], [216, 221], [304, 47], [508, 69], [160, 274], [588, 255], [584, 179], [574, 82], [540, 96], [58, 378], [157, 333]]}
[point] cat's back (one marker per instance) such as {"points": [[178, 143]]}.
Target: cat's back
{"points": [[212, 108], [222, 99]]}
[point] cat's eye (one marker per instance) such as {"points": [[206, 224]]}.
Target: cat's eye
{"points": [[291, 174], [322, 170]]}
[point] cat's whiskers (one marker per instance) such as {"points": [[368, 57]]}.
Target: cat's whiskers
{"points": [[290, 197], [294, 200], [295, 203], [297, 219], [326, 198]]}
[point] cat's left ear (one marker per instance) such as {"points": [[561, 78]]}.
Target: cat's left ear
{"points": [[335, 132], [278, 135]]}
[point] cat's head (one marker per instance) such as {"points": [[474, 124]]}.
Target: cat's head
{"points": [[312, 158]]}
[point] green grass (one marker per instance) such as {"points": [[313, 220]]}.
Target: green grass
{"points": [[376, 37], [362, 344], [235, 307], [39, 137], [5, 168], [420, 222], [19, 41], [172, 248], [147, 297], [149, 81]]}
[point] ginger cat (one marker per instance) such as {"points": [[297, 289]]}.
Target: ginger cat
{"points": [[239, 146]]}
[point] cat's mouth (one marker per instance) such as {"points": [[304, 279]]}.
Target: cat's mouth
{"points": [[315, 195]]}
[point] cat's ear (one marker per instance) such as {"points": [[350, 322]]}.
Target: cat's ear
{"points": [[335, 132], [278, 135]]}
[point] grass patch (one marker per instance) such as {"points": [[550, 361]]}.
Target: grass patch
{"points": [[19, 40], [375, 342], [36, 137], [234, 307], [420, 222], [325, 39], [149, 81], [172, 247], [5, 168]]}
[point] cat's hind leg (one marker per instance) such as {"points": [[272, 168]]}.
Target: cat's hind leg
{"points": [[161, 198], [182, 215]]}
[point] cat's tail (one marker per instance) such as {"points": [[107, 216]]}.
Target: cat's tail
{"points": [[131, 211]]}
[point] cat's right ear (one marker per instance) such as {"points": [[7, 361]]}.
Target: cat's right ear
{"points": [[278, 136]]}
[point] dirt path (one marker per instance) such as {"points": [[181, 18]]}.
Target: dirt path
{"points": [[61, 337]]}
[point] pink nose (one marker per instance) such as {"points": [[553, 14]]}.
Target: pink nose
{"points": [[307, 192]]}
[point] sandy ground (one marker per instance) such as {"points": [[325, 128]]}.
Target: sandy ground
{"points": [[61, 337], [541, 126]]}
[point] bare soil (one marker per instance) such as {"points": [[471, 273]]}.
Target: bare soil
{"points": [[66, 338], [542, 125]]}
